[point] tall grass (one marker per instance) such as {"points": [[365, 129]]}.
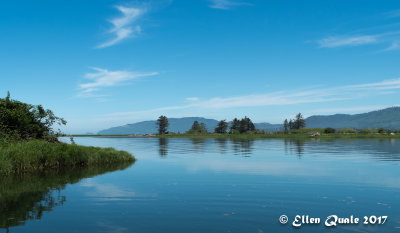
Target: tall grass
{"points": [[37, 155]]}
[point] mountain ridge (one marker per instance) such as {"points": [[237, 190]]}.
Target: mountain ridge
{"points": [[388, 118]]}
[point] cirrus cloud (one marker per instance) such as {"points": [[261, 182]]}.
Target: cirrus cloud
{"points": [[106, 78], [123, 27]]}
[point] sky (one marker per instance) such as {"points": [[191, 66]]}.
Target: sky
{"points": [[105, 63]]}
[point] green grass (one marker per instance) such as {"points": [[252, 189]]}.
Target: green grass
{"points": [[37, 155]]}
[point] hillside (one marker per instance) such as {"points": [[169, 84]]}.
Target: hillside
{"points": [[388, 118], [175, 125]]}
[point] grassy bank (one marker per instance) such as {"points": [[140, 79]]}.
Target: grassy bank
{"points": [[37, 155]]}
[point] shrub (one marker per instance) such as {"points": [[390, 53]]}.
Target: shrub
{"points": [[21, 121], [381, 130], [329, 130]]}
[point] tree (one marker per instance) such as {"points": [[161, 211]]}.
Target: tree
{"points": [[246, 125], [235, 124], [291, 124], [285, 125], [299, 122], [197, 128], [163, 124], [329, 130], [195, 125], [22, 121], [221, 127]]}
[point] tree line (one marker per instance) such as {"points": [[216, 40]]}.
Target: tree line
{"points": [[236, 126]]}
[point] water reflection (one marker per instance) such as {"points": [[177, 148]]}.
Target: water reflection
{"points": [[198, 144], [222, 145], [163, 146], [295, 145], [244, 147], [28, 197]]}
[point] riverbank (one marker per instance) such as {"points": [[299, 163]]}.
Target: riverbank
{"points": [[260, 136], [39, 155]]}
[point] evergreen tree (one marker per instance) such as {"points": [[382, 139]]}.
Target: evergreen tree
{"points": [[163, 124], [221, 127], [285, 125], [291, 125], [299, 122], [195, 125], [197, 128], [246, 125], [235, 124]]}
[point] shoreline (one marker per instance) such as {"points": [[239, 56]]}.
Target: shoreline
{"points": [[253, 136]]}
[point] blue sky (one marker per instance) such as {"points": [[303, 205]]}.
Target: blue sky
{"points": [[107, 63]]}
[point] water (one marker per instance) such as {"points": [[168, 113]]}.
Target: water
{"points": [[209, 185]]}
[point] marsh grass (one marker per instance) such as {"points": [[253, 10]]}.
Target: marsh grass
{"points": [[37, 155]]}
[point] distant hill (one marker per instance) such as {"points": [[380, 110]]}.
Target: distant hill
{"points": [[176, 125], [388, 118], [150, 127]]}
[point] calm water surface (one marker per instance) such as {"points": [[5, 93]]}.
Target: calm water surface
{"points": [[211, 185]]}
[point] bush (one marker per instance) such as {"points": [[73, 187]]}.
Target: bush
{"points": [[329, 130], [21, 121]]}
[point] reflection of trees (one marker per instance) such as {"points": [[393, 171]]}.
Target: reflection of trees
{"points": [[295, 145], [243, 146], [163, 146], [27, 197], [222, 145], [198, 143]]}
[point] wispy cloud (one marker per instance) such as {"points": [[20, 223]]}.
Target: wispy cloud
{"points": [[338, 41], [106, 78], [226, 4], [284, 97], [392, 47], [386, 34], [123, 27]]}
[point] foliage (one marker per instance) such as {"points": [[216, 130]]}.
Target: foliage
{"points": [[21, 121], [286, 126], [329, 130], [163, 124], [246, 125], [235, 124], [36, 155], [297, 123], [197, 128], [221, 127]]}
